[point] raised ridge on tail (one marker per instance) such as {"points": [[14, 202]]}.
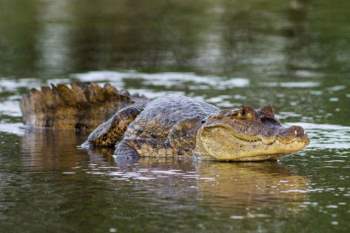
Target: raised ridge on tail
{"points": [[79, 106]]}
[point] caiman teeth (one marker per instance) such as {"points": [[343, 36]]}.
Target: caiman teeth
{"points": [[247, 138], [264, 140], [268, 140]]}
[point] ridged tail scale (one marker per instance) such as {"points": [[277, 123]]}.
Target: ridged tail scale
{"points": [[79, 106]]}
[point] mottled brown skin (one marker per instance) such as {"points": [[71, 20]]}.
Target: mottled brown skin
{"points": [[166, 127], [112, 131], [163, 127]]}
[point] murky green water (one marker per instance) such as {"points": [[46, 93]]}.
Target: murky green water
{"points": [[291, 54]]}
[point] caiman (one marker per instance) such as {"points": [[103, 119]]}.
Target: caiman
{"points": [[167, 126]]}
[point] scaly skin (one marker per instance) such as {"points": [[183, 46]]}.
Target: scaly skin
{"points": [[171, 126], [80, 106], [167, 127]]}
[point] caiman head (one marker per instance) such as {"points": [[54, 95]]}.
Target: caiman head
{"points": [[247, 135]]}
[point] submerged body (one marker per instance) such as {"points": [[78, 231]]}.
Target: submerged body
{"points": [[179, 125]]}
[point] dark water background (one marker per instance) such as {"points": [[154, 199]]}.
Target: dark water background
{"points": [[293, 54]]}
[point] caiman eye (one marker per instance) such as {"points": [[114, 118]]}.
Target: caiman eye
{"points": [[249, 116], [244, 114], [241, 115]]}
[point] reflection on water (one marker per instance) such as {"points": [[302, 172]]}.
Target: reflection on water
{"points": [[49, 150], [249, 184], [291, 54], [60, 37]]}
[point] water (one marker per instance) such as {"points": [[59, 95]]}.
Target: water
{"points": [[291, 54]]}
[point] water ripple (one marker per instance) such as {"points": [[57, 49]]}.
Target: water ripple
{"points": [[167, 79], [327, 136]]}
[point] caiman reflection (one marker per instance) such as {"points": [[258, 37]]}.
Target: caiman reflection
{"points": [[225, 184], [252, 184]]}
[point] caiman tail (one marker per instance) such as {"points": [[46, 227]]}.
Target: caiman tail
{"points": [[79, 106]]}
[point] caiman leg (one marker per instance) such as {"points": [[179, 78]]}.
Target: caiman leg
{"points": [[180, 141], [144, 147], [182, 136], [111, 131], [125, 151]]}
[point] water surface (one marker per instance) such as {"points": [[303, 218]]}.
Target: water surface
{"points": [[293, 55]]}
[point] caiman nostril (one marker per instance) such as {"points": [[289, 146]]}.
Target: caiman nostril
{"points": [[296, 130]]}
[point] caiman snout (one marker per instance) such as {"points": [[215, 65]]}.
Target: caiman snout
{"points": [[293, 133]]}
